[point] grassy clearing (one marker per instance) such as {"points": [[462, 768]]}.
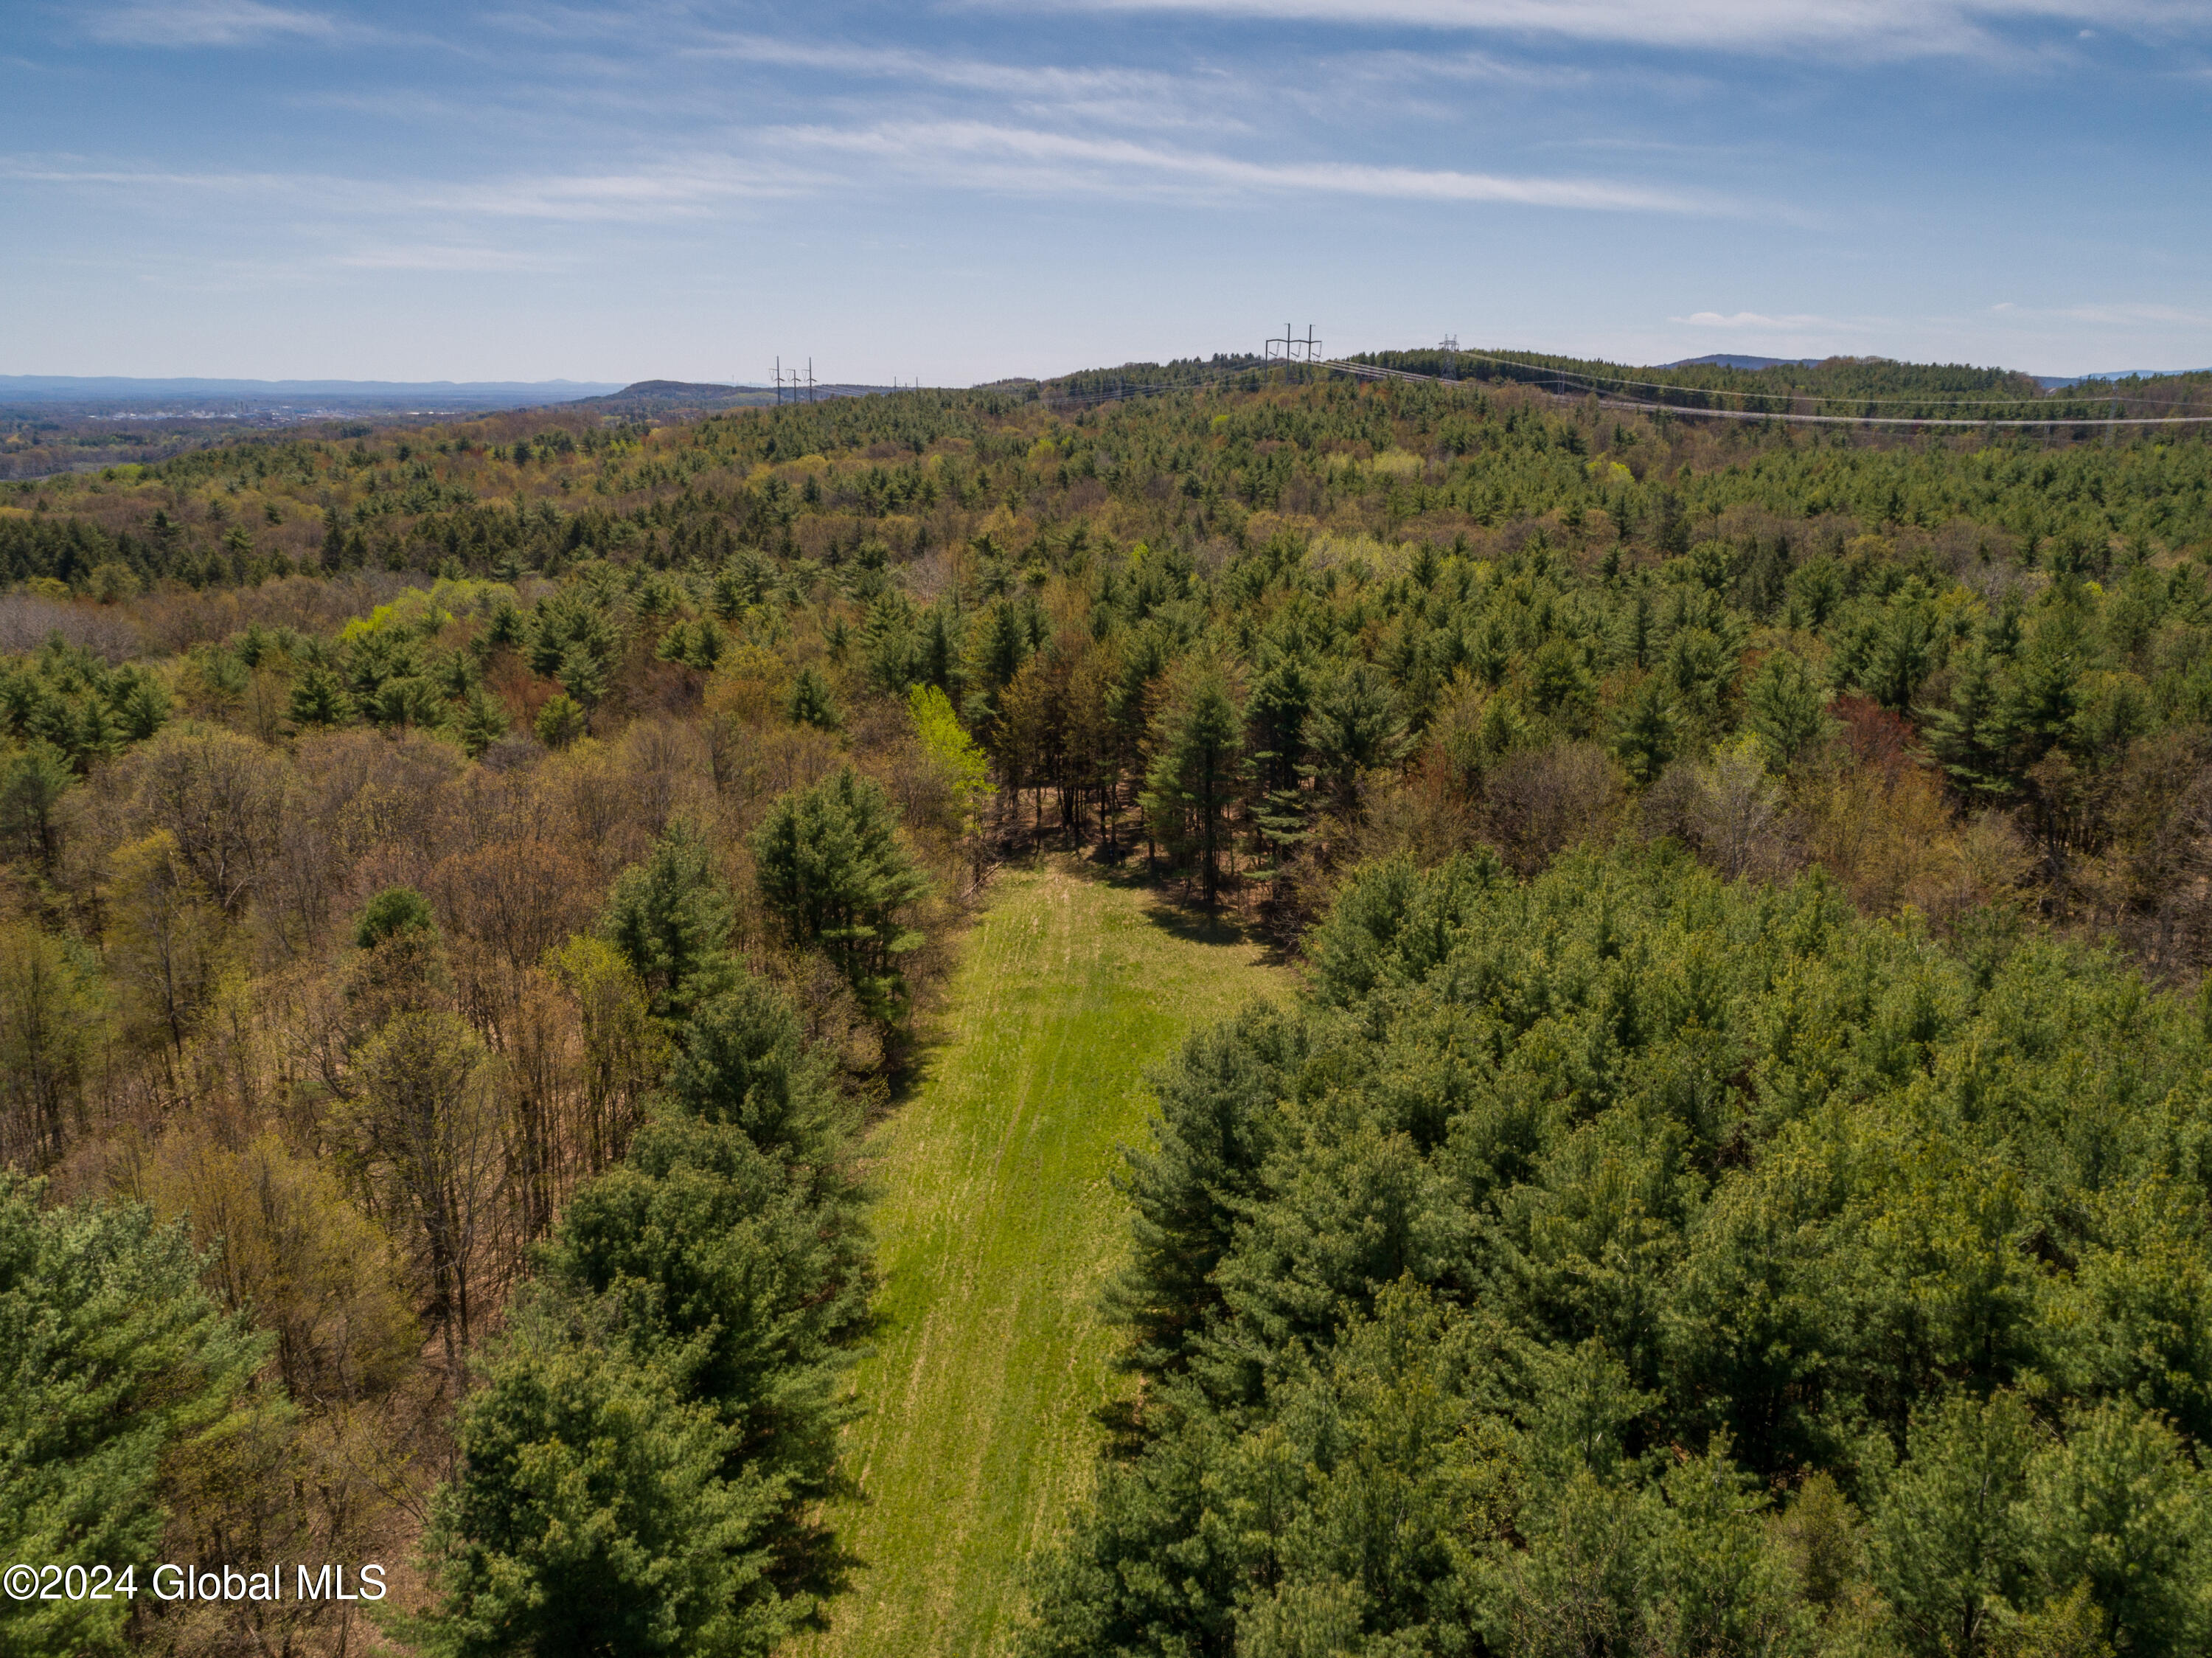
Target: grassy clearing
{"points": [[997, 1228]]}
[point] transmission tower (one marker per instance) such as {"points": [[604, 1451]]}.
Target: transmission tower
{"points": [[1294, 349], [800, 390]]}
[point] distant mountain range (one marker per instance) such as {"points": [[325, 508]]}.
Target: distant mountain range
{"points": [[1729, 360], [108, 389], [658, 397], [2052, 382]]}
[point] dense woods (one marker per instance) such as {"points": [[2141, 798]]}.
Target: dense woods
{"points": [[1737, 1179], [1629, 1261]]}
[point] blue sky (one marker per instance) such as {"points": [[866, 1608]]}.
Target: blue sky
{"points": [[954, 190]]}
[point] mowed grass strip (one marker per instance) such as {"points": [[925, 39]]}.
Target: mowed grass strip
{"points": [[997, 1228]]}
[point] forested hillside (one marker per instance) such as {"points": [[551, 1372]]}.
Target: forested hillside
{"points": [[1629, 1261], [465, 888]]}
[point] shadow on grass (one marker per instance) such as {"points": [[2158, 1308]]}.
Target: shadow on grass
{"points": [[918, 1047], [1170, 908]]}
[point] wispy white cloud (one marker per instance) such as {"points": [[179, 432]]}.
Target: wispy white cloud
{"points": [[1755, 320], [981, 154], [1113, 95], [211, 23], [799, 161], [1863, 27], [2123, 314], [692, 189], [438, 258]]}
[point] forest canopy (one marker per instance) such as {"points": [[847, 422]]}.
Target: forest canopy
{"points": [[1735, 1178], [1626, 1261]]}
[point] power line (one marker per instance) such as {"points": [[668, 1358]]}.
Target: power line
{"points": [[1598, 382], [1376, 371]]}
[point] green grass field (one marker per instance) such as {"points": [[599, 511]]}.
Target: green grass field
{"points": [[997, 1228]]}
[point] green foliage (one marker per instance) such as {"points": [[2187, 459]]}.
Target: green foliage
{"points": [[810, 702], [572, 634], [391, 912], [744, 1062], [1215, 1128], [561, 722], [1786, 707], [696, 644], [319, 697], [591, 1513], [31, 784], [670, 917], [1657, 1190], [482, 723], [955, 753], [833, 872], [729, 1273], [114, 1358], [66, 697], [1196, 770], [643, 1464], [1645, 735]]}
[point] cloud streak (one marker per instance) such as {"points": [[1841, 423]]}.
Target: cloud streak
{"points": [[436, 258], [1753, 320], [981, 154], [211, 23], [956, 156], [1875, 28], [692, 190], [2121, 314]]}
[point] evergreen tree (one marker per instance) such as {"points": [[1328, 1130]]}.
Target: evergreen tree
{"points": [[1219, 1120], [483, 723], [1974, 737], [319, 698], [1354, 726], [114, 1359], [1644, 735], [582, 676], [888, 644], [561, 722], [591, 1513], [670, 916], [1786, 707], [810, 702], [1192, 782], [32, 785], [833, 873]]}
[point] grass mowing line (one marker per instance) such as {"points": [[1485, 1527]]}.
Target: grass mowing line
{"points": [[997, 1228]]}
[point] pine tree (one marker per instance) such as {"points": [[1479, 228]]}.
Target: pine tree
{"points": [[591, 1513], [561, 722], [833, 873], [1973, 738], [1786, 706], [113, 1358], [1193, 781], [582, 676], [319, 698], [483, 723], [810, 702], [1645, 735], [1356, 726], [670, 916]]}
